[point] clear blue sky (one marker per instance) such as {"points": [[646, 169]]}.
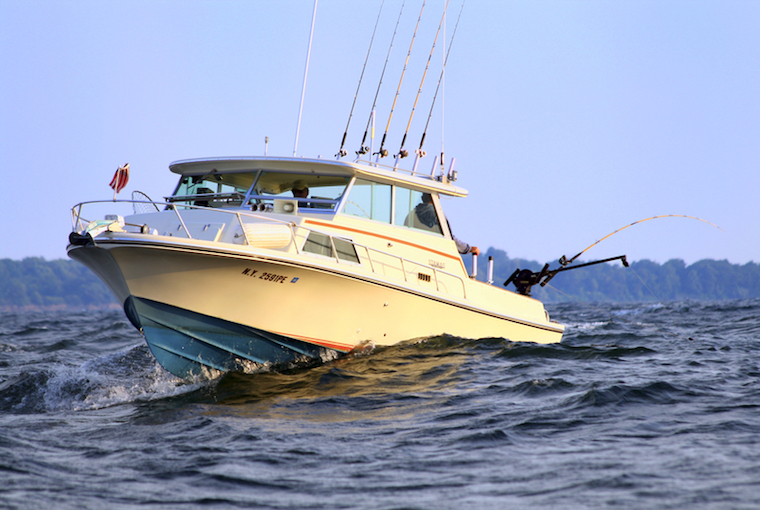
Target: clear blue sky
{"points": [[568, 119]]}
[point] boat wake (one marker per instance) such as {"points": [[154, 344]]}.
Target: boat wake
{"points": [[126, 376], [132, 375]]}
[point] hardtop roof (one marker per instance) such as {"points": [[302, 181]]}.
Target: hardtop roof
{"points": [[364, 170]]}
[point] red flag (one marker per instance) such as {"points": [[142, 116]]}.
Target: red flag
{"points": [[120, 178]]}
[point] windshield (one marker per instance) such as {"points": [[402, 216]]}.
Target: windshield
{"points": [[323, 191], [213, 190]]}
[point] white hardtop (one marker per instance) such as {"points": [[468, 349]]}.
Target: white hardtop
{"points": [[365, 170]]}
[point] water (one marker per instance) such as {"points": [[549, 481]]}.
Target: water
{"points": [[640, 406]]}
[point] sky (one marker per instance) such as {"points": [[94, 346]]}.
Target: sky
{"points": [[568, 120]]}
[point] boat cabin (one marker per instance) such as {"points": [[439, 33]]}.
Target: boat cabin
{"points": [[315, 187]]}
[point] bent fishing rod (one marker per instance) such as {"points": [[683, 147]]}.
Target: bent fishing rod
{"points": [[524, 279]]}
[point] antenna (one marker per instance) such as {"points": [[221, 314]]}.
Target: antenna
{"points": [[305, 73], [440, 80]]}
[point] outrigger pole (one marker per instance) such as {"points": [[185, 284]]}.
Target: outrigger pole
{"points": [[305, 73]]}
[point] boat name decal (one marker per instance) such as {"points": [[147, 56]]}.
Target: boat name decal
{"points": [[270, 277], [436, 264]]}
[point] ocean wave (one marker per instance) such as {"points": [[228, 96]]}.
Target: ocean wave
{"points": [[118, 378]]}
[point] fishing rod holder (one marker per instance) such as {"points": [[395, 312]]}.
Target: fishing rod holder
{"points": [[452, 174], [524, 279]]}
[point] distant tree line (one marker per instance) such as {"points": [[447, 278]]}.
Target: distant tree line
{"points": [[36, 282], [644, 280]]}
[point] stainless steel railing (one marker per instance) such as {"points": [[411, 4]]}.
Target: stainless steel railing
{"points": [[79, 224]]}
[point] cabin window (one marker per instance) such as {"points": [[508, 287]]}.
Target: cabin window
{"points": [[369, 200], [317, 191], [415, 209], [346, 250], [319, 244]]}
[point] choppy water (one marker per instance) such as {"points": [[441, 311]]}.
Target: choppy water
{"points": [[640, 406]]}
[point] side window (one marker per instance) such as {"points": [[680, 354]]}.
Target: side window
{"points": [[369, 200], [320, 244], [415, 209]]}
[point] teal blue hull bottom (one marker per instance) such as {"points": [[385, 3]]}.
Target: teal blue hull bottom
{"points": [[190, 344]]}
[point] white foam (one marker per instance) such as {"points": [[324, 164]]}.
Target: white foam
{"points": [[106, 381]]}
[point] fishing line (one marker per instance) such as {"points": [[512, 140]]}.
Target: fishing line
{"points": [[342, 152], [362, 148], [564, 261], [401, 152], [645, 285], [440, 79], [382, 152]]}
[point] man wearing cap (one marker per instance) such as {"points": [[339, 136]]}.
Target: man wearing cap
{"points": [[300, 190]]}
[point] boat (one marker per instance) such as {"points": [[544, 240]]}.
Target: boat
{"points": [[280, 261], [276, 261]]}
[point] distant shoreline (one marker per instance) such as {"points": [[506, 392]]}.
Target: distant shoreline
{"points": [[35, 284]]}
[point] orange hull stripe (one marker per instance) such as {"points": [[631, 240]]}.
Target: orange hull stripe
{"points": [[323, 343], [339, 227]]}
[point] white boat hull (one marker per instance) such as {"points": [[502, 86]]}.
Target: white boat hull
{"points": [[202, 308]]}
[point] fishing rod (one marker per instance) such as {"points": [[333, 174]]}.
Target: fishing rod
{"points": [[384, 152], [564, 261], [524, 279], [363, 149], [401, 152], [419, 151], [342, 152]]}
